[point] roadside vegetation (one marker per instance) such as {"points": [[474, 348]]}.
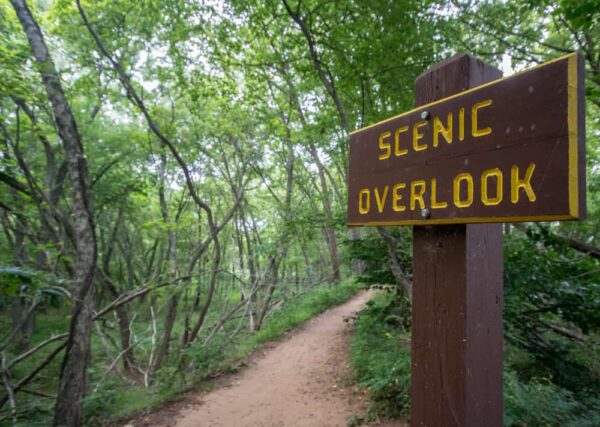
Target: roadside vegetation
{"points": [[115, 396], [552, 336], [380, 356], [173, 183]]}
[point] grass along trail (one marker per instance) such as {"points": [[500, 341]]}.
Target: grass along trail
{"points": [[302, 380]]}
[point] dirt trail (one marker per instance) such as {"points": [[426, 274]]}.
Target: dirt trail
{"points": [[300, 381]]}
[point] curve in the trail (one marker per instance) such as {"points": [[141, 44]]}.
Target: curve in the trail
{"points": [[303, 380], [300, 381]]}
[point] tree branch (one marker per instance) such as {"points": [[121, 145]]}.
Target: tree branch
{"points": [[575, 244]]}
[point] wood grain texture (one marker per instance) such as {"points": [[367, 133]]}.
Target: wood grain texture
{"points": [[457, 297]]}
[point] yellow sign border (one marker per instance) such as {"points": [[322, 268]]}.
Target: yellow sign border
{"points": [[572, 129], [572, 123]]}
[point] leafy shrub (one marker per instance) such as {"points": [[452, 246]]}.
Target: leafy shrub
{"points": [[551, 293], [373, 252], [380, 357], [542, 403]]}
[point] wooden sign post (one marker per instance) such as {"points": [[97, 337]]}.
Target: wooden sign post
{"points": [[477, 149], [456, 350]]}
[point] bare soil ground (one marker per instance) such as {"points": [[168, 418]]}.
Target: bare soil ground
{"points": [[303, 380]]}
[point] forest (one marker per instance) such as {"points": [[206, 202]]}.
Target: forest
{"points": [[173, 194]]}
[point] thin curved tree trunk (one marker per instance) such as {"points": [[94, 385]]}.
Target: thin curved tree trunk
{"points": [[328, 81], [329, 230], [397, 272], [121, 311], [274, 267], [173, 301], [73, 375]]}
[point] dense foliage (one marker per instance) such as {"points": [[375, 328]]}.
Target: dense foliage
{"points": [[380, 356], [173, 174], [552, 375], [113, 400]]}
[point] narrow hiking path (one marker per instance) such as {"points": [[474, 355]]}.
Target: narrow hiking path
{"points": [[302, 380]]}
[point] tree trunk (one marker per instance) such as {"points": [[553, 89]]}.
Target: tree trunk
{"points": [[328, 81], [24, 325], [330, 228], [173, 302], [251, 268], [121, 311], [124, 332], [330, 235], [73, 375], [397, 272], [212, 283], [274, 278], [165, 342]]}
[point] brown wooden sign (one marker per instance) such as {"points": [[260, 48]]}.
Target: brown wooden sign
{"points": [[509, 150]]}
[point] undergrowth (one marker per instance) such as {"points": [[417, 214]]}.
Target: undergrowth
{"points": [[198, 363], [542, 403], [380, 356]]}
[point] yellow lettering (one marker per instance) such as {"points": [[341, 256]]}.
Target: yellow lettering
{"points": [[461, 124], [438, 128], [396, 197], [434, 203], [384, 146], [525, 183], [485, 197], [397, 150], [456, 196], [381, 199], [475, 131], [417, 196], [418, 135], [364, 201]]}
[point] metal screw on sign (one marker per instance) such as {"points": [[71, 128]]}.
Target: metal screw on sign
{"points": [[425, 115], [425, 213]]}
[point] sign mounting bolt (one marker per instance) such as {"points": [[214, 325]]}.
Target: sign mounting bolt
{"points": [[425, 116], [425, 213]]}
